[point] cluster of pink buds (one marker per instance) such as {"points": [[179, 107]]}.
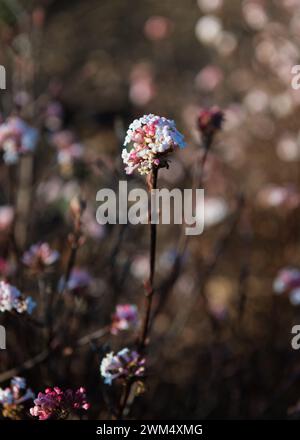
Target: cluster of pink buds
{"points": [[56, 404], [16, 138], [287, 282], [151, 138], [39, 257], [209, 122], [12, 299], [13, 397], [124, 318], [125, 365]]}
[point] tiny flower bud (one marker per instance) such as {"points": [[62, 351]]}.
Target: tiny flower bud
{"points": [[209, 122]]}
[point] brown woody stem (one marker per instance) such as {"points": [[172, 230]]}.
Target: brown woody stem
{"points": [[149, 285]]}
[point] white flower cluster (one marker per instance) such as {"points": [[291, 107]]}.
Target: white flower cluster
{"points": [[12, 299], [152, 137], [126, 364]]}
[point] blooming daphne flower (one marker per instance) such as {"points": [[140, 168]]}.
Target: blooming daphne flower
{"points": [[12, 299], [125, 365], [55, 403], [151, 138], [39, 257], [287, 282], [124, 318], [13, 397], [16, 138]]}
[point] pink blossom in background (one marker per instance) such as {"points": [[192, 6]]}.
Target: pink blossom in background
{"points": [[6, 267], [209, 78], [209, 5], [140, 267], [13, 396], [62, 139], [216, 210], [142, 87], [54, 115], [276, 196], [287, 282], [68, 149], [158, 28], [124, 318], [90, 226], [40, 256], [79, 281]]}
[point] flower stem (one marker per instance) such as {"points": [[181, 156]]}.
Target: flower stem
{"points": [[75, 243], [124, 399], [152, 183], [149, 290]]}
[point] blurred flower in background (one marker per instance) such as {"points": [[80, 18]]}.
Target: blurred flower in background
{"points": [[158, 28], [13, 398], [39, 257], [276, 196], [56, 404], [16, 138], [124, 318], [79, 281], [209, 5], [215, 211], [11, 299], [69, 151], [287, 282], [6, 218], [142, 87], [152, 138], [208, 29]]}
